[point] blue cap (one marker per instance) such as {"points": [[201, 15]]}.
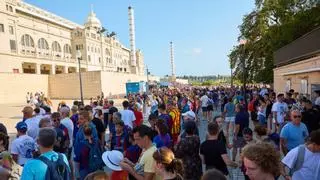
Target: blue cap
{"points": [[21, 126]]}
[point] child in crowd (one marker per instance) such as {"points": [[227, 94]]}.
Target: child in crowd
{"points": [[133, 151], [89, 158], [120, 140], [163, 137], [152, 121], [113, 159]]}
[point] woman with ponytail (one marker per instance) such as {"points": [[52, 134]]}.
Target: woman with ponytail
{"points": [[167, 166]]}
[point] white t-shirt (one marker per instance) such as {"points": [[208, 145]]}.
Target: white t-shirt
{"points": [[310, 168], [33, 126], [23, 146], [69, 125], [204, 101], [127, 116], [281, 109]]}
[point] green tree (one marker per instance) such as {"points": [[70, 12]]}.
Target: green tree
{"points": [[270, 26]]}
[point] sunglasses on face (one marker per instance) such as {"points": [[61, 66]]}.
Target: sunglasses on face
{"points": [[55, 120], [296, 116]]}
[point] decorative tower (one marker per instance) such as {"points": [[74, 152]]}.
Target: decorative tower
{"points": [[132, 40], [173, 71]]}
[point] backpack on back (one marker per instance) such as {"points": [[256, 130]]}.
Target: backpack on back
{"points": [[95, 157], [57, 170], [299, 161]]}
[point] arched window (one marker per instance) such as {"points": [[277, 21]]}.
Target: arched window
{"points": [[67, 49], [56, 46], [108, 52], [43, 44], [27, 41]]}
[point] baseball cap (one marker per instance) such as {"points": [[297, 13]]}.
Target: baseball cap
{"points": [[21, 126], [74, 108], [27, 109], [64, 110], [190, 114]]}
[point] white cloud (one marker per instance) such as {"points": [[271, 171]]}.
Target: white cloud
{"points": [[196, 50]]}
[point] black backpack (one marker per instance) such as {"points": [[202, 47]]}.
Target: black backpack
{"points": [[57, 170]]}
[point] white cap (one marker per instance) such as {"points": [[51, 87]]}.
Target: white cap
{"points": [[190, 114]]}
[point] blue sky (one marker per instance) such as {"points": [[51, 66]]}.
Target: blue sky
{"points": [[203, 31]]}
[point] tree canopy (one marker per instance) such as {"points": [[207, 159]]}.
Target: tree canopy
{"points": [[271, 25]]}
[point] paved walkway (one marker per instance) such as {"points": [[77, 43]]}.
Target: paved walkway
{"points": [[234, 173]]}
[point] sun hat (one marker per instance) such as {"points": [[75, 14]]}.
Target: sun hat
{"points": [[112, 159]]}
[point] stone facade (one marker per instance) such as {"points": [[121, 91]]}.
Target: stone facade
{"points": [[14, 87], [39, 42], [300, 76], [66, 86]]}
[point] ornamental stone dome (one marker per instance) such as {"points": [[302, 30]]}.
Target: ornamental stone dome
{"points": [[93, 21]]}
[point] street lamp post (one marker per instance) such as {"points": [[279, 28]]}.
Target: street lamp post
{"points": [[147, 80], [231, 79], [79, 56], [242, 44]]}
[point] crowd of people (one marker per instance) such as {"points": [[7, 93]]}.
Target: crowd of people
{"points": [[158, 136]]}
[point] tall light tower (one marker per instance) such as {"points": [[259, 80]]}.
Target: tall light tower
{"points": [[173, 70], [132, 39]]}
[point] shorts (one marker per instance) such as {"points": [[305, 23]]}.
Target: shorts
{"points": [[239, 143], [204, 109], [210, 108], [230, 119]]}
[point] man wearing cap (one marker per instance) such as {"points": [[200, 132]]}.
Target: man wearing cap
{"points": [[189, 116], [27, 112], [31, 121], [23, 146]]}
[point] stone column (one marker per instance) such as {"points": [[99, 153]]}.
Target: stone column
{"points": [[53, 69], [38, 68], [66, 69]]}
